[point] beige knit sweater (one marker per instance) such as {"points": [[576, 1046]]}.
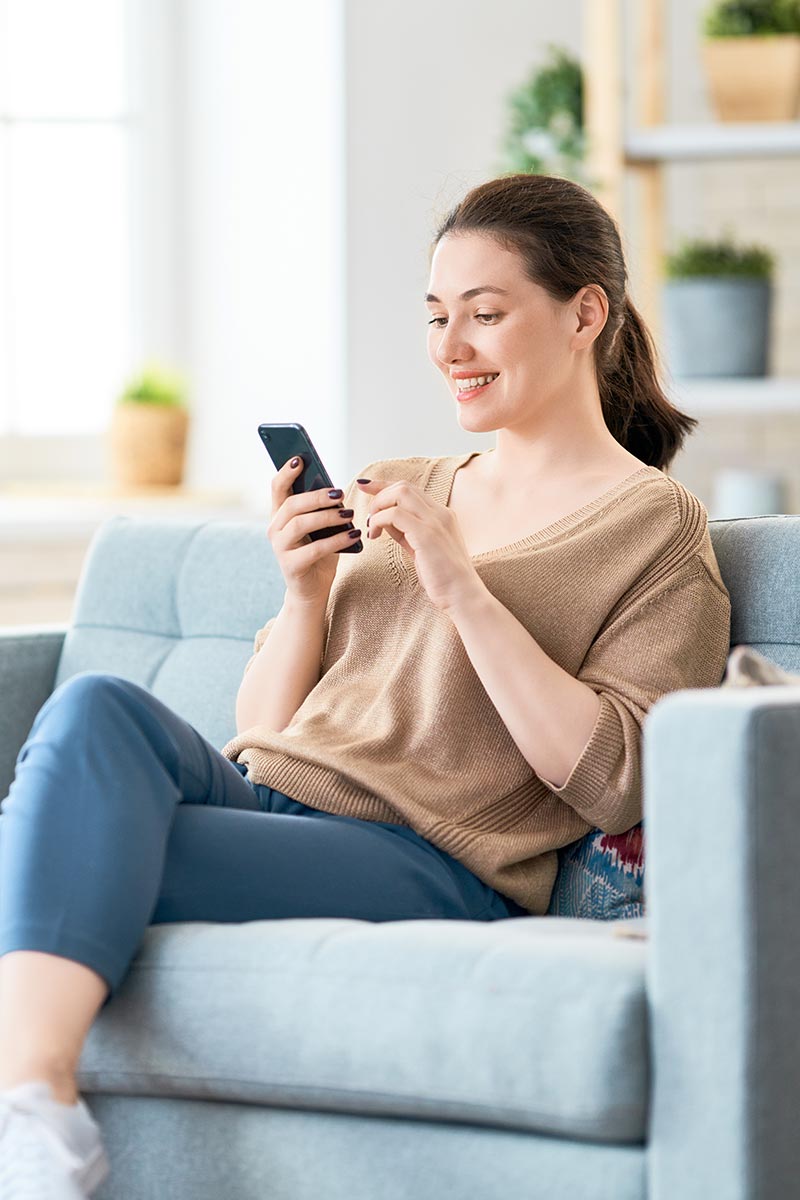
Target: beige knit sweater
{"points": [[624, 593]]}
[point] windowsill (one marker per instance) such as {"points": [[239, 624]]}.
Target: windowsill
{"points": [[31, 510]]}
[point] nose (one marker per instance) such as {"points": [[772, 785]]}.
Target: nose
{"points": [[452, 348]]}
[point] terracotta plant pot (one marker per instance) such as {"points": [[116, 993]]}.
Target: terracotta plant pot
{"points": [[754, 78], [148, 444]]}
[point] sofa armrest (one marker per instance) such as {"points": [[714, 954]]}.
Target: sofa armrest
{"points": [[29, 656], [722, 826]]}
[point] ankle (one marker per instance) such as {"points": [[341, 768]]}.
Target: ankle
{"points": [[63, 1086]]}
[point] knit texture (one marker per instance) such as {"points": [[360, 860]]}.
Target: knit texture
{"points": [[625, 593]]}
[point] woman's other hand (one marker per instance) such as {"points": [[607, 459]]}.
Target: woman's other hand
{"points": [[430, 533]]}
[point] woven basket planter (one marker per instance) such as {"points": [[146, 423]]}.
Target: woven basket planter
{"points": [[148, 444]]}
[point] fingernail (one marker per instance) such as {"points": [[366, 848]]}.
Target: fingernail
{"points": [[363, 481], [295, 462], [336, 493]]}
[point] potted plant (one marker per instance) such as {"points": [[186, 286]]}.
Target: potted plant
{"points": [[149, 429], [546, 130], [717, 307], [751, 55]]}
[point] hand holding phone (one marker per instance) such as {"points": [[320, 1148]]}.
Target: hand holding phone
{"points": [[306, 531]]}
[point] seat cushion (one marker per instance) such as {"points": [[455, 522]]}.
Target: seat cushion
{"points": [[536, 1023]]}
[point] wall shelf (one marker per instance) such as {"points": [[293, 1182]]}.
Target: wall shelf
{"points": [[676, 143], [765, 396], [615, 151]]}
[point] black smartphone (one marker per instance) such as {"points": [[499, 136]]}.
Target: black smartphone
{"points": [[287, 440]]}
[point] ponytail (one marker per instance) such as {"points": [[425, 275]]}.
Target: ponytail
{"points": [[635, 407]]}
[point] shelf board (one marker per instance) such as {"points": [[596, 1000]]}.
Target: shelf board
{"points": [[736, 395], [721, 139]]}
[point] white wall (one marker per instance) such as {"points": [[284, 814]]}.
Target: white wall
{"points": [[263, 240], [426, 90]]}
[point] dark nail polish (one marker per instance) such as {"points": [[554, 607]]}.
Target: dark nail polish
{"points": [[336, 494], [363, 481], [354, 533], [346, 513]]}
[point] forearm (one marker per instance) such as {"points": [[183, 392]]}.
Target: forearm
{"points": [[286, 668], [549, 714]]}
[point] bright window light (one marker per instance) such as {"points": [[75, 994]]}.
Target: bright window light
{"points": [[65, 188]]}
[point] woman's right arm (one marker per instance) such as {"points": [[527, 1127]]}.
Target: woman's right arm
{"points": [[285, 669], [289, 663]]}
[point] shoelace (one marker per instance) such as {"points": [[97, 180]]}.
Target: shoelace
{"points": [[8, 1106]]}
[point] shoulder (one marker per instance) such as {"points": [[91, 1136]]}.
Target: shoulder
{"points": [[669, 536], [668, 504]]}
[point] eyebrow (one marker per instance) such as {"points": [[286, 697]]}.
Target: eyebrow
{"points": [[476, 291]]}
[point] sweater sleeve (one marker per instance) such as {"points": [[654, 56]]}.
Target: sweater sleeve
{"points": [[677, 638]]}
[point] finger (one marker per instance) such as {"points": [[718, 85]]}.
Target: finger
{"points": [[287, 504], [399, 492], [394, 521], [283, 481]]}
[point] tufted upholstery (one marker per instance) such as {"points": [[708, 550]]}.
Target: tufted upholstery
{"points": [[176, 612]]}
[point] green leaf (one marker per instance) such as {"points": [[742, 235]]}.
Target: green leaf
{"points": [[700, 256], [156, 384], [751, 18]]}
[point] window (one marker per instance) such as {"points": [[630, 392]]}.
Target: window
{"points": [[67, 320]]}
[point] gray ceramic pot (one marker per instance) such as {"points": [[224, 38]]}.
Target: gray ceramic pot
{"points": [[715, 326]]}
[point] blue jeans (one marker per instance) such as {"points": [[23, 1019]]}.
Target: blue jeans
{"points": [[121, 815]]}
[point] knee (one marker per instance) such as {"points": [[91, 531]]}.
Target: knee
{"points": [[85, 690], [87, 684]]}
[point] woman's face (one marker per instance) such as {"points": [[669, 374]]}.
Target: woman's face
{"points": [[517, 332]]}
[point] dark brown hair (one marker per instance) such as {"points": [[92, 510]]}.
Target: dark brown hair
{"points": [[567, 240]]}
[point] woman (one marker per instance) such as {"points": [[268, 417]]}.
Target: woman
{"points": [[423, 724]]}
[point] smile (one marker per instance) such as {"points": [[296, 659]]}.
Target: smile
{"points": [[476, 381], [467, 388]]}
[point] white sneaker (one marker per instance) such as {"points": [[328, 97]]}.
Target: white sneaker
{"points": [[48, 1150]]}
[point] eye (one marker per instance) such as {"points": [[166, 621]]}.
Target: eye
{"points": [[479, 316]]}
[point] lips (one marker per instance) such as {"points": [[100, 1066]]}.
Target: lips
{"points": [[468, 393], [456, 375]]}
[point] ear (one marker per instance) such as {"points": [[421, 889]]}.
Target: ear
{"points": [[590, 313]]}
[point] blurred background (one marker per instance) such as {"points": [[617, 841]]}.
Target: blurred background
{"points": [[218, 212]]}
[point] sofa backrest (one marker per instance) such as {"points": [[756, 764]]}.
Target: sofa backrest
{"points": [[759, 558], [175, 605]]}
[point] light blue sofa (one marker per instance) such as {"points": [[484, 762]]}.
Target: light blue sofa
{"points": [[530, 1059]]}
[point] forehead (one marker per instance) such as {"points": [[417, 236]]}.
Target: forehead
{"points": [[459, 255]]}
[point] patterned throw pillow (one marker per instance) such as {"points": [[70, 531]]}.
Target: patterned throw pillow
{"points": [[602, 875]]}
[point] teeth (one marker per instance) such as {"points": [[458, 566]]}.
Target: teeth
{"points": [[477, 381]]}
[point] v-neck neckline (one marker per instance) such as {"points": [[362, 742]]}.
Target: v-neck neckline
{"points": [[439, 485]]}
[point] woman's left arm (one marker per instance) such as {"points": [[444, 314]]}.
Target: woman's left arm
{"points": [[583, 736], [548, 712]]}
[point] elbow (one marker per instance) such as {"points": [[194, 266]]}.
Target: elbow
{"points": [[622, 813]]}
